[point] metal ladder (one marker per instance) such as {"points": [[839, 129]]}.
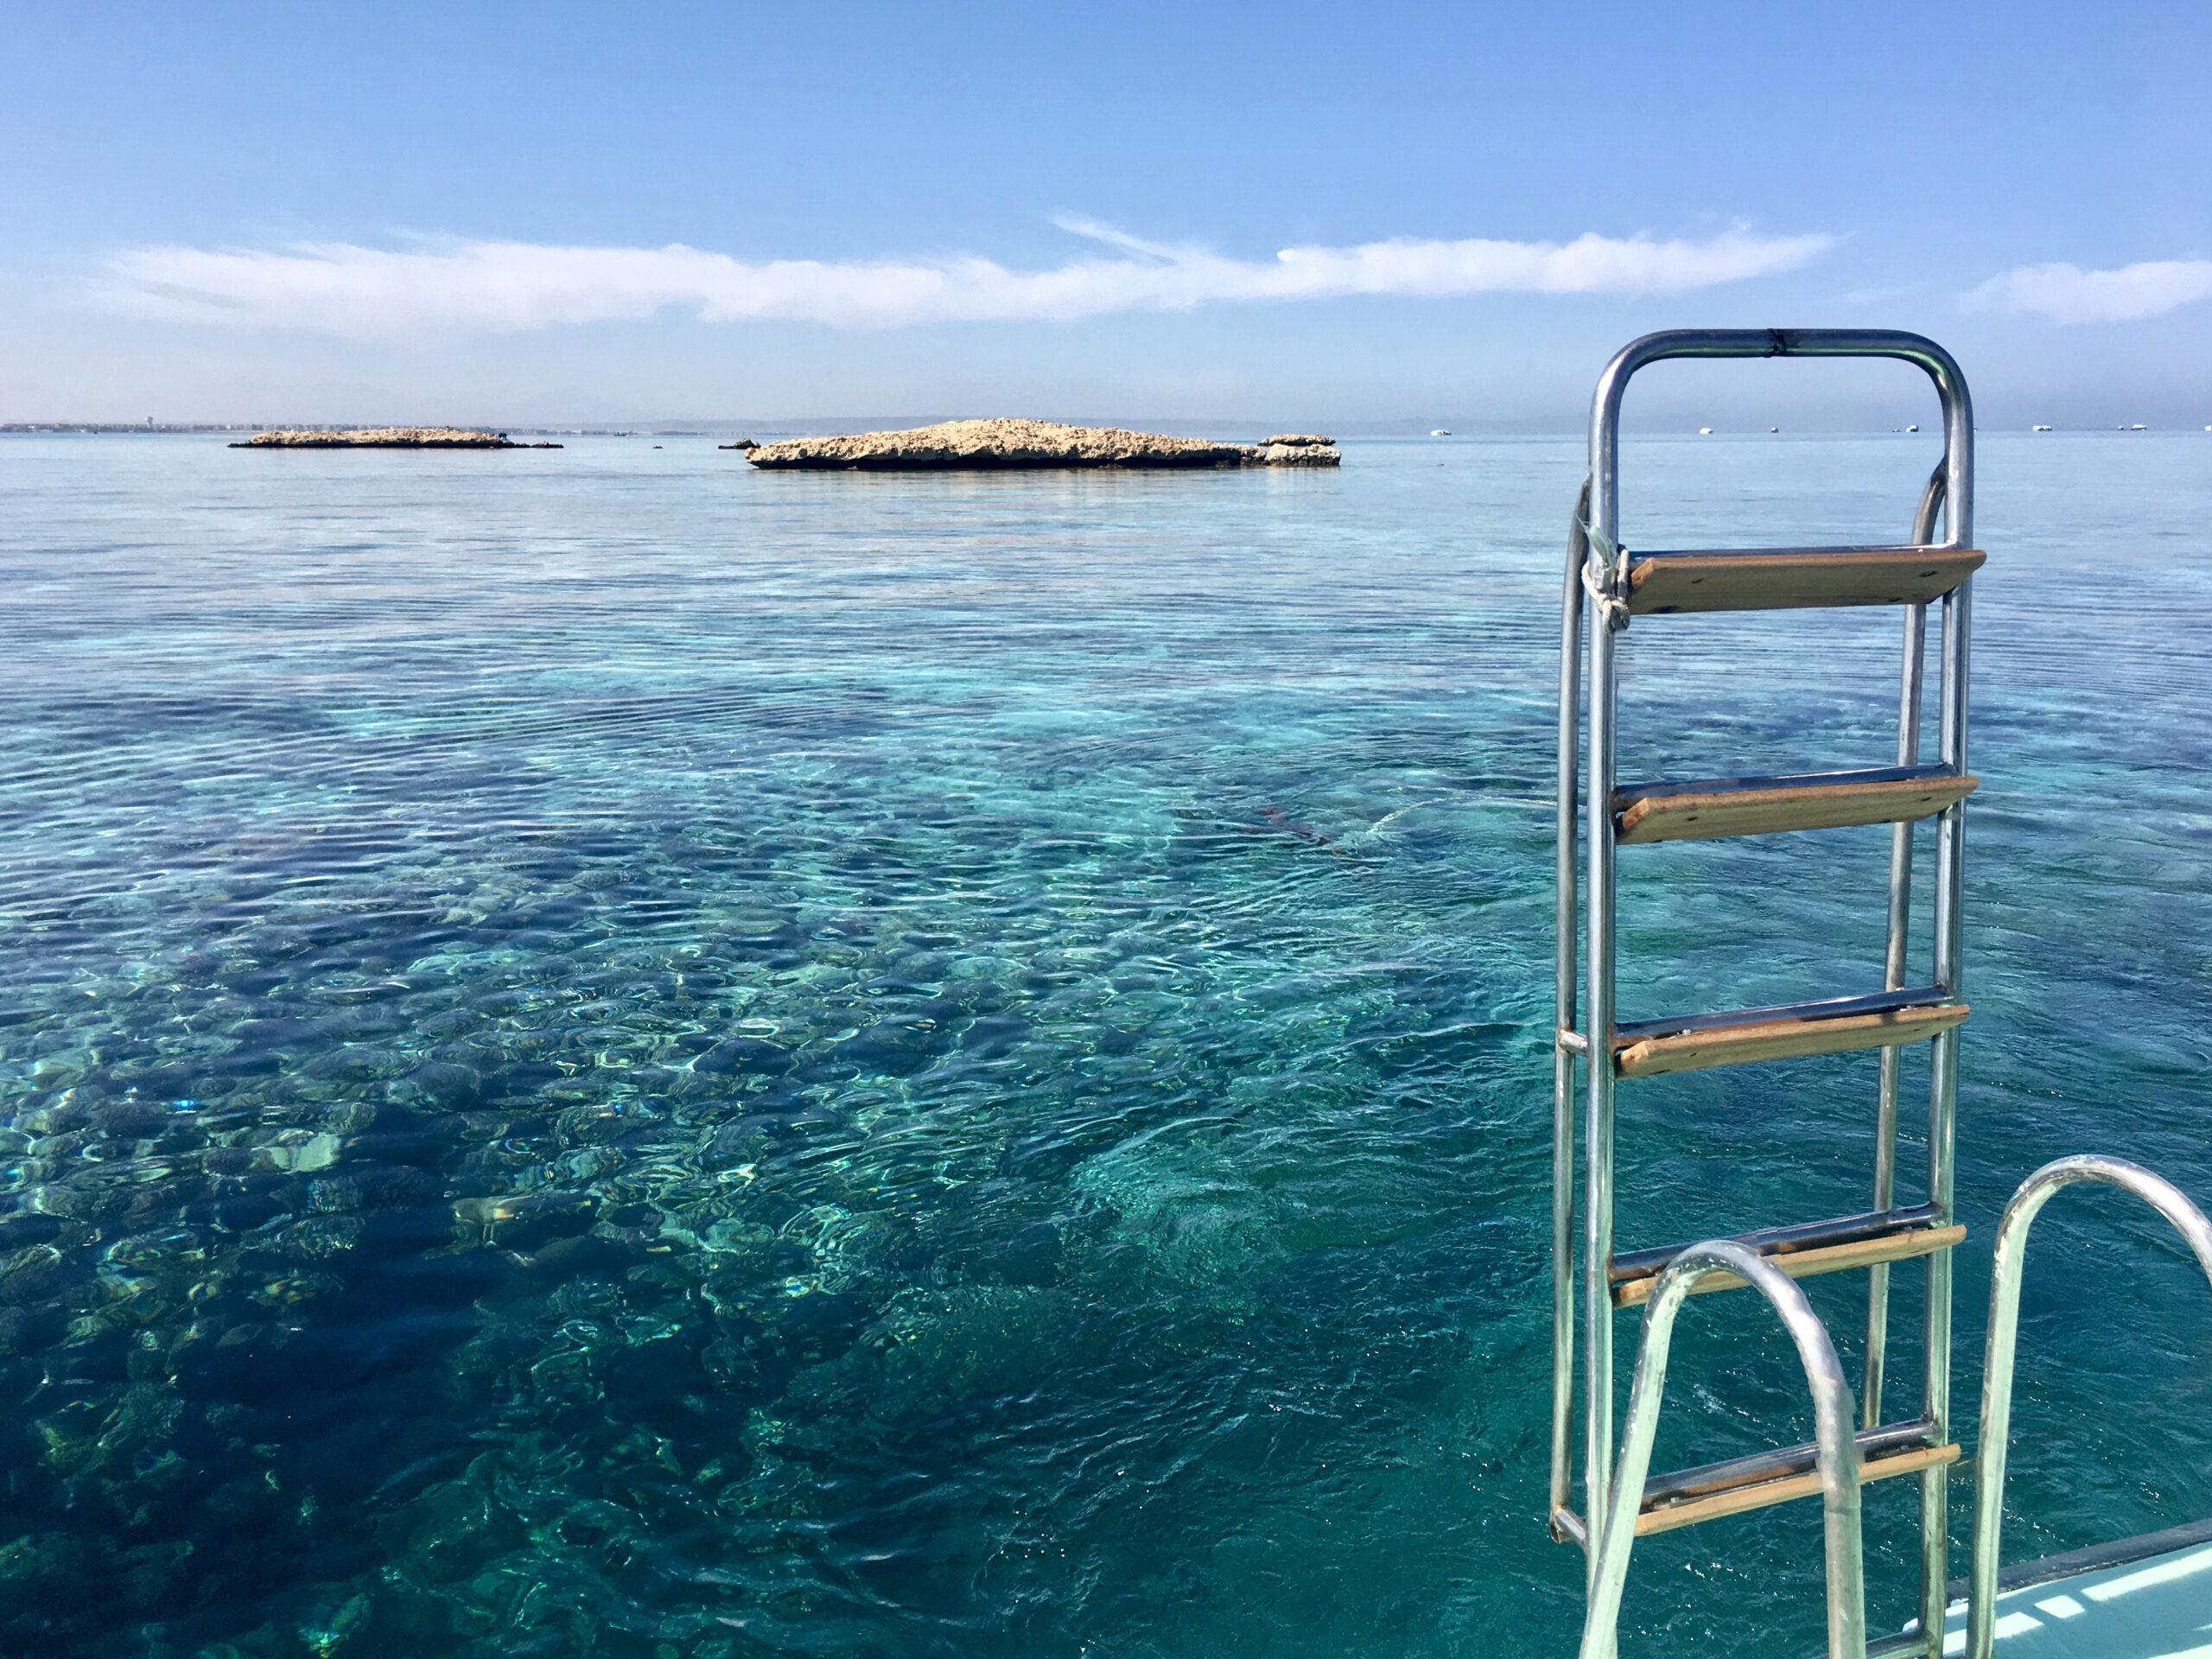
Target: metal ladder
{"points": [[1617, 585]]}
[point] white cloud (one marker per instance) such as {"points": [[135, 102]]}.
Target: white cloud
{"points": [[2068, 294], [343, 288]]}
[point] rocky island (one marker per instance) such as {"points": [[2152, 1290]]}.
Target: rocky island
{"points": [[959, 446], [389, 437]]}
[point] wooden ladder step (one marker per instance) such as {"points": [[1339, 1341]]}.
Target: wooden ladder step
{"points": [[1690, 1495], [1756, 806], [1645, 1048], [1803, 1251], [1790, 578]]}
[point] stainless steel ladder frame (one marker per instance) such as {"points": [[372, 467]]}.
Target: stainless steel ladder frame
{"points": [[1593, 558], [2004, 1325]]}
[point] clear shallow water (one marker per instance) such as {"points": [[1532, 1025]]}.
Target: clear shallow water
{"points": [[607, 1054]]}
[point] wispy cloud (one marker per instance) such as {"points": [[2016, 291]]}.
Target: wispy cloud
{"points": [[342, 289], [2068, 294]]}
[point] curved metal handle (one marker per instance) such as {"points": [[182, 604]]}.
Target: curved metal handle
{"points": [[1836, 1450], [1918, 349], [2004, 1324]]}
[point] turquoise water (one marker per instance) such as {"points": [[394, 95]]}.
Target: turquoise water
{"points": [[608, 1054]]}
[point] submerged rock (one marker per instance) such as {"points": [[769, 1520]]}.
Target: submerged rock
{"points": [[953, 446], [389, 437]]}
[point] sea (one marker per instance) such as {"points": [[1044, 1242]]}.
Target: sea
{"points": [[602, 1053]]}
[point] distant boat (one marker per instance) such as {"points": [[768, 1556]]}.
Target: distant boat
{"points": [[1912, 428], [2045, 429], [1705, 431], [2139, 427], [1774, 429], [1441, 432]]}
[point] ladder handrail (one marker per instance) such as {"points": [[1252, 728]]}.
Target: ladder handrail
{"points": [[2004, 1326], [1893, 958], [1836, 1444], [1917, 349], [1566, 918]]}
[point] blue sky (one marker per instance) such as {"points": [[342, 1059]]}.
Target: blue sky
{"points": [[555, 212]]}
